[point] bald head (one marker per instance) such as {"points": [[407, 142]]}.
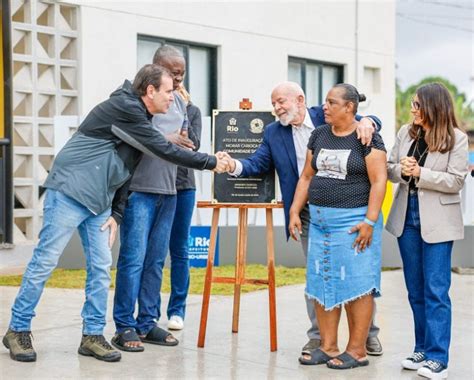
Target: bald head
{"points": [[289, 89], [166, 52], [288, 101], [172, 60]]}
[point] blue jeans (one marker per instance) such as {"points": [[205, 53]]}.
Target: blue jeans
{"points": [[179, 252], [62, 215], [427, 270], [144, 238]]}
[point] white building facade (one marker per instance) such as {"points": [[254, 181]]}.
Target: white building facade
{"points": [[70, 55]]}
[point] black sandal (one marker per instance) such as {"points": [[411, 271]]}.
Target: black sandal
{"points": [[129, 335], [348, 362], [158, 336], [317, 357]]}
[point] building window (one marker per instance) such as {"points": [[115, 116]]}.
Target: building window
{"points": [[201, 74], [315, 78], [372, 79]]}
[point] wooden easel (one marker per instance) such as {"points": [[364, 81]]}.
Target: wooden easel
{"points": [[239, 278]]}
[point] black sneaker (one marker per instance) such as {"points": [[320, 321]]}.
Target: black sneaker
{"points": [[433, 370], [20, 346], [99, 348], [415, 361]]}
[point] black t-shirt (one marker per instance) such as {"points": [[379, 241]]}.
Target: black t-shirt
{"points": [[341, 178], [418, 150]]}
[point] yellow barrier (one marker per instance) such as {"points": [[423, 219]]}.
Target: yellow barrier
{"points": [[387, 202]]}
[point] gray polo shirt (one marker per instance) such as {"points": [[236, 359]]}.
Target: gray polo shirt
{"points": [[155, 175]]}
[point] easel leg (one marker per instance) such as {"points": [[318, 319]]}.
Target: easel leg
{"points": [[271, 281], [239, 266], [208, 280]]}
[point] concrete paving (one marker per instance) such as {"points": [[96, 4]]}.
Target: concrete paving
{"points": [[245, 355]]}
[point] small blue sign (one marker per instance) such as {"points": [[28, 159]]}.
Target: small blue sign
{"points": [[199, 239]]}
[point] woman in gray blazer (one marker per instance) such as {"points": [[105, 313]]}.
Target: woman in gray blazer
{"points": [[429, 162]]}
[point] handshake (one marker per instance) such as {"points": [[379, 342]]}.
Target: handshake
{"points": [[225, 163]]}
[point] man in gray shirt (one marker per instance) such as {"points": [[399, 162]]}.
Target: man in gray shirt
{"points": [[146, 228]]}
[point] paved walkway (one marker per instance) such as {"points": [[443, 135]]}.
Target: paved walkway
{"points": [[246, 355]]}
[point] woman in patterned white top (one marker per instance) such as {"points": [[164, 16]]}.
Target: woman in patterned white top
{"points": [[344, 182]]}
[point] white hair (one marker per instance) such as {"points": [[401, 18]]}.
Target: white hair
{"points": [[290, 88]]}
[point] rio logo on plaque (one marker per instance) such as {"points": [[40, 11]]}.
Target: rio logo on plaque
{"points": [[240, 133]]}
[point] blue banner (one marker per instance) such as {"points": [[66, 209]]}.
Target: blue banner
{"points": [[199, 240]]}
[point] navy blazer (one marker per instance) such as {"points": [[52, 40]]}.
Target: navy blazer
{"points": [[278, 152]]}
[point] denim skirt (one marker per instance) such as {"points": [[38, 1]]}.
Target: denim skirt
{"points": [[336, 273]]}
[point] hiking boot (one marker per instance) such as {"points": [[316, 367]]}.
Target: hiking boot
{"points": [[99, 348], [20, 346]]}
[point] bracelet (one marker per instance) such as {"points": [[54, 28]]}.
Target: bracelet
{"points": [[369, 222]]}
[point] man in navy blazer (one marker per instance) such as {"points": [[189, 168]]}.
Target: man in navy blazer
{"points": [[284, 149]]}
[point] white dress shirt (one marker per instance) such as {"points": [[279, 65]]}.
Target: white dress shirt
{"points": [[301, 135]]}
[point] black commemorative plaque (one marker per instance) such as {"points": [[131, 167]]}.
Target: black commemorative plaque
{"points": [[240, 133]]}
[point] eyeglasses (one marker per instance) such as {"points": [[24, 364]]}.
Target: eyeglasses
{"points": [[415, 105]]}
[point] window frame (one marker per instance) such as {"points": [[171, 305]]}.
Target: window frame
{"points": [[321, 64], [186, 45]]}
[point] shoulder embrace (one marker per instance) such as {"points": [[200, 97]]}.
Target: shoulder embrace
{"points": [[316, 108]]}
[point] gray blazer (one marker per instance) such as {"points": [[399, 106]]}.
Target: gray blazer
{"points": [[441, 179]]}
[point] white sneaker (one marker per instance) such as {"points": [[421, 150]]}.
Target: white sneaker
{"points": [[175, 323], [415, 361], [433, 370]]}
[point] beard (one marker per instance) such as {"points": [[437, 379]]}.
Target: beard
{"points": [[290, 115]]}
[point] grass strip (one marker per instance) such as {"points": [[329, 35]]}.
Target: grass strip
{"points": [[75, 278]]}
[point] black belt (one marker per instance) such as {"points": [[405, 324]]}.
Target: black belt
{"points": [[413, 192]]}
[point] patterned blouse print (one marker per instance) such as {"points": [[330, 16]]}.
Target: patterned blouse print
{"points": [[341, 179]]}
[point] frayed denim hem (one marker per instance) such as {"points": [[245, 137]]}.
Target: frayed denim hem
{"points": [[373, 291]]}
